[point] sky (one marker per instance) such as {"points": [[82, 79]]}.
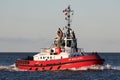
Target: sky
{"points": [[29, 25]]}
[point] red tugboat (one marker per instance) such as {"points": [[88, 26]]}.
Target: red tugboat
{"points": [[63, 54]]}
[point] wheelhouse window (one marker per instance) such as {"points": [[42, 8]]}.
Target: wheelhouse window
{"points": [[63, 43], [68, 43], [74, 43]]}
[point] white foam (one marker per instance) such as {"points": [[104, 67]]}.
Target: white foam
{"points": [[97, 67], [10, 68], [116, 68]]}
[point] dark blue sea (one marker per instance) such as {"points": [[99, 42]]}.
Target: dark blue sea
{"points": [[109, 71]]}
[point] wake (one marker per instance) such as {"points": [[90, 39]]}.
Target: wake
{"points": [[93, 67], [9, 68], [97, 67]]}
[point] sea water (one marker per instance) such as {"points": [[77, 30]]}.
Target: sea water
{"points": [[109, 71]]}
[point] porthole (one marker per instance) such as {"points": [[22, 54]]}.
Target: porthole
{"points": [[50, 57], [43, 57], [40, 57]]}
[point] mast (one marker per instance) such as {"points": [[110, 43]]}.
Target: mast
{"points": [[68, 12], [71, 40]]}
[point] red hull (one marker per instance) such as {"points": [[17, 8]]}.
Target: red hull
{"points": [[60, 64]]}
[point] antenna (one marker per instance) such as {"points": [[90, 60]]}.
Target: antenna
{"points": [[68, 12]]}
